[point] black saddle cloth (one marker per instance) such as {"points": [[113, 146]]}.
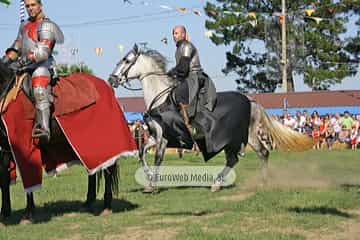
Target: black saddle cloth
{"points": [[226, 126]]}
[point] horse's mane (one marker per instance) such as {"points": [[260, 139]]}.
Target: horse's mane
{"points": [[5, 72], [159, 59], [6, 75]]}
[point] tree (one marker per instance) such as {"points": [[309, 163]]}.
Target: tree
{"points": [[353, 44], [6, 2], [66, 69], [314, 43]]}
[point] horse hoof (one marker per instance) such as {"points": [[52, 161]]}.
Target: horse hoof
{"points": [[148, 189], [105, 212], [26, 221], [215, 187]]}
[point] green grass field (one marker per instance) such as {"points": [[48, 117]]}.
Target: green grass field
{"points": [[312, 195]]}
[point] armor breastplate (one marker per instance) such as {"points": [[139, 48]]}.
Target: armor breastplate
{"points": [[29, 37], [187, 49]]}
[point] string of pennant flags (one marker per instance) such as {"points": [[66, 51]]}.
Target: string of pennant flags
{"points": [[252, 15], [184, 10], [252, 18]]}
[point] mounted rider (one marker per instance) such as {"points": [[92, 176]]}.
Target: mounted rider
{"points": [[195, 89], [32, 52]]}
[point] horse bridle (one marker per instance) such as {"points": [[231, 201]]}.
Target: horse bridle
{"points": [[125, 75], [126, 72]]}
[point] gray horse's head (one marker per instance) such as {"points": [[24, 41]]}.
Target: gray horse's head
{"points": [[137, 64]]}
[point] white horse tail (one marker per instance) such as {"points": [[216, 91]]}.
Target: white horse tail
{"points": [[285, 138]]}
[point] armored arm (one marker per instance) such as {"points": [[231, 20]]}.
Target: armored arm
{"points": [[49, 34], [182, 68]]}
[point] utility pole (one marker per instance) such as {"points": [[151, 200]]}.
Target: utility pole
{"points": [[283, 46]]}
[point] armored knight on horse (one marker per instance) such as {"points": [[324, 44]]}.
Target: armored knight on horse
{"points": [[32, 52]]}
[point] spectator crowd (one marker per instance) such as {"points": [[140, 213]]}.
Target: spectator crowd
{"points": [[325, 130]]}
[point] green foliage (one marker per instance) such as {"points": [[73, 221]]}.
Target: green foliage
{"points": [[66, 69], [6, 2], [316, 50]]}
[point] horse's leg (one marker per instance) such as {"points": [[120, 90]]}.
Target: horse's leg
{"points": [[159, 156], [5, 200], [91, 193], [29, 210], [154, 140], [5, 186], [263, 153], [255, 142], [151, 143], [231, 160], [111, 186]]}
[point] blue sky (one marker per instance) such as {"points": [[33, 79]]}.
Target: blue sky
{"points": [[142, 21]]}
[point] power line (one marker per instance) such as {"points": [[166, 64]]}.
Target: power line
{"points": [[105, 24], [171, 13], [115, 20]]}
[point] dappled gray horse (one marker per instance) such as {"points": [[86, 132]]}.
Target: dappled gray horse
{"points": [[231, 125]]}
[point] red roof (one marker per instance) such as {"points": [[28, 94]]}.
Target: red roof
{"points": [[309, 99], [132, 104], [276, 100]]}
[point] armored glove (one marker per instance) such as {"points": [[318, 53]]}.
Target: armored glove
{"points": [[20, 64]]}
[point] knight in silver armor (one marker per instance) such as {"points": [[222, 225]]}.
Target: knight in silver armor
{"points": [[32, 52], [192, 81]]}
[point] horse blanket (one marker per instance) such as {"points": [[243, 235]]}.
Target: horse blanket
{"points": [[90, 118]]}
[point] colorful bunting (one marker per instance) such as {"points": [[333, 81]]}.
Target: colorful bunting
{"points": [[197, 12], [74, 51], [252, 15], [120, 47], [209, 34], [281, 18], [213, 12], [181, 9], [166, 7], [309, 12], [164, 40], [317, 19], [98, 51]]}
